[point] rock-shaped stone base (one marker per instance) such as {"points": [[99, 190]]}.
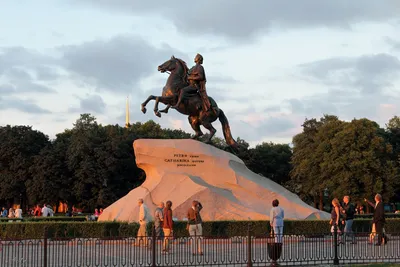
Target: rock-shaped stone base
{"points": [[183, 170]]}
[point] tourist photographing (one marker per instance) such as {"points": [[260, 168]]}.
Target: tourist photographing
{"points": [[195, 227], [378, 221]]}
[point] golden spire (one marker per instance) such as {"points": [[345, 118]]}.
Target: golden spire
{"points": [[127, 124]]}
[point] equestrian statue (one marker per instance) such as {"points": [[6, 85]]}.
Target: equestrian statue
{"points": [[185, 91]]}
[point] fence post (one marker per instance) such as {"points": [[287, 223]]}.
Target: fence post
{"points": [[153, 247], [45, 236], [249, 256], [335, 244]]}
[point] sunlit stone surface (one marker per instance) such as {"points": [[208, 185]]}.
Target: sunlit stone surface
{"points": [[182, 170]]}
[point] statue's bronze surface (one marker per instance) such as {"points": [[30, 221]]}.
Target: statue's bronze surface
{"points": [[185, 91]]}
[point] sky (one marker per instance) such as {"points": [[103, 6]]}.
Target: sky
{"points": [[269, 64]]}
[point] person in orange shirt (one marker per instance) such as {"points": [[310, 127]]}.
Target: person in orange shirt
{"points": [[38, 211]]}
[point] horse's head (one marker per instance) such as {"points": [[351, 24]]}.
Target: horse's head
{"points": [[169, 65], [174, 65]]}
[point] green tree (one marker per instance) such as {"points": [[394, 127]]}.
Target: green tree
{"points": [[19, 146], [360, 163], [52, 180], [272, 161], [308, 176]]}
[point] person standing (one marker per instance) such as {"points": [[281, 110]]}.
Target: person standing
{"points": [[45, 211], [195, 227], [348, 211], [168, 226], [158, 220], [4, 212], [335, 217], [379, 219], [18, 212], [11, 213], [143, 219], [276, 217]]}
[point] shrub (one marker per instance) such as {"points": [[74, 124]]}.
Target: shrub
{"points": [[59, 229]]}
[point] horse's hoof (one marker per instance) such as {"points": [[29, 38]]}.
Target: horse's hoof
{"points": [[158, 114], [144, 110]]}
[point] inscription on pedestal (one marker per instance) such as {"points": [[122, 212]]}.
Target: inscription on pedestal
{"points": [[185, 160]]}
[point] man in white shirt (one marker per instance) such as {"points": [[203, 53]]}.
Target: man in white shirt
{"points": [[18, 212], [143, 219], [45, 211], [276, 217]]}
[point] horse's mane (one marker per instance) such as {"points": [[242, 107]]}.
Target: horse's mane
{"points": [[185, 68]]}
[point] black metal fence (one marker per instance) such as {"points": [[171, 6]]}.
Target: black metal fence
{"points": [[198, 251]]}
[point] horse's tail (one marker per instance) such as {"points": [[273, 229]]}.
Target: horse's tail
{"points": [[227, 130]]}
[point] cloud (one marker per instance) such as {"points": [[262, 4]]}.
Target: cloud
{"points": [[347, 105], [355, 88], [370, 73], [23, 87], [255, 126], [395, 44], [16, 65], [46, 73], [239, 20], [90, 103], [117, 64], [27, 106], [19, 56], [221, 80]]}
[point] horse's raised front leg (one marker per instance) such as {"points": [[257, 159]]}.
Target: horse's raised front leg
{"points": [[152, 97], [165, 110]]}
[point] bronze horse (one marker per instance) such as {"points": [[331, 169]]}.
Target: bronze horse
{"points": [[192, 106]]}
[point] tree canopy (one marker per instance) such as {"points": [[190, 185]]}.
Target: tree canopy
{"points": [[342, 158], [93, 165]]}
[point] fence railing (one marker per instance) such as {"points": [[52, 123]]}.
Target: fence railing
{"points": [[247, 250]]}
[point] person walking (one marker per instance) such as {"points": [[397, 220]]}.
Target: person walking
{"points": [[276, 217], [168, 226], [348, 212]]}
